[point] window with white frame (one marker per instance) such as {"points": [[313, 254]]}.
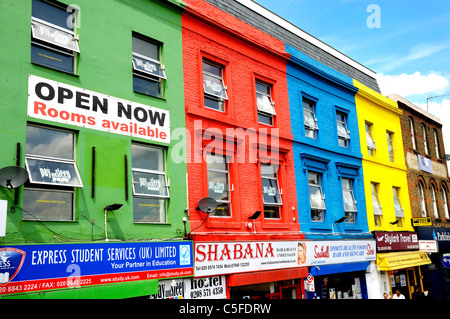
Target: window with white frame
{"points": [[377, 208], [342, 130], [271, 190], [399, 214], [311, 127], [150, 184], [316, 197], [436, 143], [214, 89], [423, 208], [425, 142], [219, 183], [390, 143], [434, 201], [54, 43], [445, 203], [53, 174], [148, 70], [350, 207], [369, 138], [265, 104], [413, 138]]}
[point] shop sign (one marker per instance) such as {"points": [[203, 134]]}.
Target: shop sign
{"points": [[422, 221], [236, 257], [425, 164], [309, 283], [29, 268], [428, 246], [394, 241], [446, 260], [440, 234], [62, 103], [192, 288]]}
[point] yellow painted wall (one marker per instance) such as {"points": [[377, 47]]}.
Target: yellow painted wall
{"points": [[384, 114]]}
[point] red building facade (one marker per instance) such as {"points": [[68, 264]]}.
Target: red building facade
{"points": [[239, 151]]}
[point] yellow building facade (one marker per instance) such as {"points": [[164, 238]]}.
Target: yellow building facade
{"points": [[384, 168]]}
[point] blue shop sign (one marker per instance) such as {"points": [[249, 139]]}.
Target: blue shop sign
{"points": [[26, 268]]}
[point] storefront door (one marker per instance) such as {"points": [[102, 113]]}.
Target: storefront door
{"points": [[406, 281]]}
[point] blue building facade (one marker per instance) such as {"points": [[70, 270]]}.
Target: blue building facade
{"points": [[328, 165]]}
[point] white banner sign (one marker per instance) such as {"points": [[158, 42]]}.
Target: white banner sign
{"points": [[192, 288], [428, 246], [62, 103], [236, 257]]}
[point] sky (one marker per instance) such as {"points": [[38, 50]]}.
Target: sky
{"points": [[406, 42]]}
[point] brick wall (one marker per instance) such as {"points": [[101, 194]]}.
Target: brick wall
{"points": [[439, 177], [246, 54]]}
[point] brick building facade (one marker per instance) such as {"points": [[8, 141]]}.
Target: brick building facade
{"points": [[427, 171]]}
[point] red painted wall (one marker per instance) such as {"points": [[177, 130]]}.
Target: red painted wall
{"points": [[246, 54]]}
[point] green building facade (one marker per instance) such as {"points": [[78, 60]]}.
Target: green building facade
{"points": [[89, 95]]}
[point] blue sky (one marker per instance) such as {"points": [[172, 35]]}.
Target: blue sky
{"points": [[409, 47]]}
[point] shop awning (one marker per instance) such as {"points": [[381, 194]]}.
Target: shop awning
{"points": [[258, 277], [404, 259]]}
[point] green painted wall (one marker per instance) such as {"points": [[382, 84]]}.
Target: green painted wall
{"points": [[104, 66]]}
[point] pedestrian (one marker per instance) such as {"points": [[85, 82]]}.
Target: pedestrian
{"points": [[385, 295], [416, 294], [427, 294], [398, 295]]}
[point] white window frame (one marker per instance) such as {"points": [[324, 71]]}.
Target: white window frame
{"points": [[422, 200], [220, 79], [413, 138], [317, 186], [344, 136], [227, 173], [425, 142], [311, 109], [436, 144], [399, 213], [434, 201], [371, 146], [166, 186], [350, 214], [444, 198], [390, 142], [264, 110], [377, 208], [278, 191]]}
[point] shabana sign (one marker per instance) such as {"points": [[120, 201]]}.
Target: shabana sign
{"points": [[28, 268], [62, 103], [235, 257]]}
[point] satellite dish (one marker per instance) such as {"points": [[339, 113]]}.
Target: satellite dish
{"points": [[207, 205], [13, 176]]}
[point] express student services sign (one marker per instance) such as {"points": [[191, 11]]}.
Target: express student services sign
{"points": [[27, 268]]}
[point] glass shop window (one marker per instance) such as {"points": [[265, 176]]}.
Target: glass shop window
{"points": [[53, 174], [150, 184]]}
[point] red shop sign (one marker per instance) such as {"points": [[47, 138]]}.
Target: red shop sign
{"points": [[393, 241]]}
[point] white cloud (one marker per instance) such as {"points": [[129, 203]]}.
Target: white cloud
{"points": [[412, 84], [387, 63]]}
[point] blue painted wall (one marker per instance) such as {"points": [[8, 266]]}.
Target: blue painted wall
{"points": [[332, 91]]}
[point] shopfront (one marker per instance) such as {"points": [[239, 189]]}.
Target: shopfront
{"points": [[281, 269], [437, 273], [397, 265]]}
